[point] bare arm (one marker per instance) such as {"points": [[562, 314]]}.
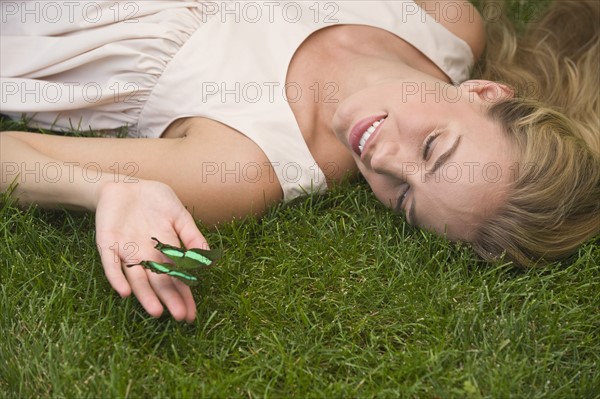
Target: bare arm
{"points": [[137, 187], [206, 169], [44, 180]]}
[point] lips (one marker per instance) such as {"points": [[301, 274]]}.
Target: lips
{"points": [[360, 128]]}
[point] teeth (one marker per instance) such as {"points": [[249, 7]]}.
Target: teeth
{"points": [[367, 134]]}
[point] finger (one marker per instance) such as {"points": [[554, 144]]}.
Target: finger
{"points": [[168, 294], [188, 232], [188, 299], [143, 291], [111, 263]]}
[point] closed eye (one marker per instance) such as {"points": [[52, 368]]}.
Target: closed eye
{"points": [[425, 150], [404, 188]]}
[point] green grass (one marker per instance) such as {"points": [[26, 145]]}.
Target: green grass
{"points": [[332, 296]]}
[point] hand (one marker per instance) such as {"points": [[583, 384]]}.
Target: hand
{"points": [[127, 216]]}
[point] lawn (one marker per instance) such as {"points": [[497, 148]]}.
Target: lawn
{"points": [[331, 297]]}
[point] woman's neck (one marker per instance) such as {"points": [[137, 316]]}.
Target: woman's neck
{"points": [[336, 63], [340, 61]]}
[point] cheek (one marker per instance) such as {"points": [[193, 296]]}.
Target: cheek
{"points": [[382, 188]]}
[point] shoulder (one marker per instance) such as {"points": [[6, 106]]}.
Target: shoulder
{"points": [[461, 18]]}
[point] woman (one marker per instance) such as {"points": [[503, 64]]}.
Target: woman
{"points": [[304, 95]]}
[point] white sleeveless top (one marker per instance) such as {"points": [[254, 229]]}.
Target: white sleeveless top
{"points": [[145, 64]]}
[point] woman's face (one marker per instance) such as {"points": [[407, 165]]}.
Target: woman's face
{"points": [[434, 155]]}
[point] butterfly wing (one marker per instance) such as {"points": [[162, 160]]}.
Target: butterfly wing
{"points": [[169, 250], [165, 268], [183, 261], [197, 258], [194, 258]]}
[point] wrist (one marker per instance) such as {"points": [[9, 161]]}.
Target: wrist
{"points": [[109, 184]]}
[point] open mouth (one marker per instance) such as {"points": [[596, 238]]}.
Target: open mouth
{"points": [[363, 131]]}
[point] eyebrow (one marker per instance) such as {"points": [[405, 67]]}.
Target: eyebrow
{"points": [[442, 159]]}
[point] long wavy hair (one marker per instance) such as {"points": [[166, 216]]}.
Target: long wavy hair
{"points": [[553, 204]]}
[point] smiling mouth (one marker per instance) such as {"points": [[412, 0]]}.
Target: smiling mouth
{"points": [[367, 134], [363, 131]]}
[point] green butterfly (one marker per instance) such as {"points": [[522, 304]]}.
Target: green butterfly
{"points": [[184, 261]]}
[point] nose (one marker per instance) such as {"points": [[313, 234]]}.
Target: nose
{"points": [[393, 160]]}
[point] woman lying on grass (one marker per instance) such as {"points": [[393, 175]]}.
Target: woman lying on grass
{"points": [[512, 167]]}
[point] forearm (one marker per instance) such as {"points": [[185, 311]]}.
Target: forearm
{"points": [[179, 163], [43, 180]]}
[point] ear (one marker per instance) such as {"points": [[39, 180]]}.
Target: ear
{"points": [[488, 91]]}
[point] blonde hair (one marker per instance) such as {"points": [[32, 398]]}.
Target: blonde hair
{"points": [[553, 204]]}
